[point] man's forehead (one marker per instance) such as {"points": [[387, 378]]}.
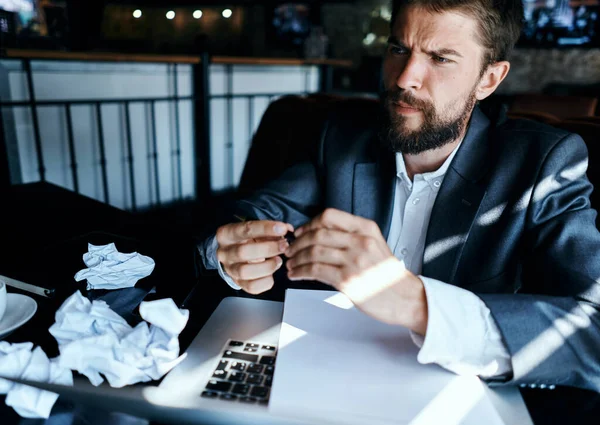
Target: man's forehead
{"points": [[440, 30]]}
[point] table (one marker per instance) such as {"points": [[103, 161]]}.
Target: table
{"points": [[44, 233]]}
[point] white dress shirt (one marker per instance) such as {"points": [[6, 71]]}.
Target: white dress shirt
{"points": [[461, 334]]}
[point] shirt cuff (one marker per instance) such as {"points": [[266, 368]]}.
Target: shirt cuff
{"points": [[208, 253], [462, 335]]}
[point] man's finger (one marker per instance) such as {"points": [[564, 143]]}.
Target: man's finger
{"points": [[317, 254], [257, 286], [325, 273], [235, 233], [332, 238], [337, 219], [251, 252], [251, 271]]}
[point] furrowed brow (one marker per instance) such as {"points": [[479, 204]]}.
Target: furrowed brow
{"points": [[445, 52]]}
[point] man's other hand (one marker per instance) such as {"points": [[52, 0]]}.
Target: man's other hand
{"points": [[350, 254], [249, 252]]}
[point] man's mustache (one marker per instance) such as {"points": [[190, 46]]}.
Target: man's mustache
{"points": [[397, 96]]}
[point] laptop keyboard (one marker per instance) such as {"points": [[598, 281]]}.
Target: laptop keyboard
{"points": [[244, 373]]}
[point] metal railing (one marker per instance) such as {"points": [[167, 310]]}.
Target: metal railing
{"points": [[201, 99], [97, 104]]}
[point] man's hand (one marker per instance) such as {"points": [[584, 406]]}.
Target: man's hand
{"points": [[350, 254], [250, 252]]}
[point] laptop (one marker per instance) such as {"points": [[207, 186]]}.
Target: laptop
{"points": [[225, 376], [231, 362], [228, 364]]}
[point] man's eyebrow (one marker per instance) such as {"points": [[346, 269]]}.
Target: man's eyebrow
{"points": [[439, 52], [445, 52]]}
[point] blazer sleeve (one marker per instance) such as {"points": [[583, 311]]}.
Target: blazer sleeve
{"points": [[552, 326], [294, 197]]}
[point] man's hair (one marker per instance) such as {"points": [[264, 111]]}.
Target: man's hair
{"points": [[500, 21]]}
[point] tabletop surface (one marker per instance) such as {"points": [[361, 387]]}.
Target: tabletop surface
{"points": [[45, 232]]}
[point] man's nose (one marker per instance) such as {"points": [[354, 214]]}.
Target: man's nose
{"points": [[411, 75]]}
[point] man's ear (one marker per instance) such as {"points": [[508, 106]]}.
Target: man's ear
{"points": [[491, 79]]}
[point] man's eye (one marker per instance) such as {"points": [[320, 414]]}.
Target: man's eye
{"points": [[398, 50], [440, 59]]}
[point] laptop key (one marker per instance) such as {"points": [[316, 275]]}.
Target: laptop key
{"points": [[238, 366], [227, 396], [222, 365], [255, 368], [209, 394], [259, 392], [236, 343], [268, 381], [268, 347], [264, 401], [237, 376], [250, 349], [254, 378], [268, 360], [248, 399], [241, 389], [251, 345], [221, 374], [218, 385], [240, 356], [269, 370]]}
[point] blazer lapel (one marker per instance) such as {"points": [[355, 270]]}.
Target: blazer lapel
{"points": [[373, 190], [457, 203]]}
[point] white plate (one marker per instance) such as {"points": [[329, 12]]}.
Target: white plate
{"points": [[19, 309]]}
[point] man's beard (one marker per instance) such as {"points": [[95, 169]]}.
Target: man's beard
{"points": [[435, 131]]}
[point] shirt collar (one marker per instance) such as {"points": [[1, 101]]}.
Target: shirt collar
{"points": [[430, 177]]}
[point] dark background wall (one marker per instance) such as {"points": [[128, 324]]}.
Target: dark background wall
{"points": [[357, 31]]}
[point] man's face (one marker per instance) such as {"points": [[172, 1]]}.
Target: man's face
{"points": [[430, 72]]}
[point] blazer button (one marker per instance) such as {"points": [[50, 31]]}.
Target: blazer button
{"points": [[551, 387], [542, 386], [532, 386], [523, 385]]}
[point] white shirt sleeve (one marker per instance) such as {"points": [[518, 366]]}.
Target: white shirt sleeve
{"points": [[209, 258], [462, 335]]}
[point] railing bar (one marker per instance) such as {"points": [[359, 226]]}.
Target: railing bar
{"points": [[71, 142], [250, 120], [177, 134], [102, 152], [45, 103], [202, 148], [5, 169], [155, 153], [231, 156], [130, 156], [92, 101], [247, 95], [307, 79], [34, 117]]}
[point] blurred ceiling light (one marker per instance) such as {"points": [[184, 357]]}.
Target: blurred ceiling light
{"points": [[197, 14], [369, 39], [386, 13], [227, 13], [170, 14], [137, 13]]}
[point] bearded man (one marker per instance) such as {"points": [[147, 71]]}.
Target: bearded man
{"points": [[478, 236]]}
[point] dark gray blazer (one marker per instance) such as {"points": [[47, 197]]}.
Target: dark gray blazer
{"points": [[512, 223]]}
